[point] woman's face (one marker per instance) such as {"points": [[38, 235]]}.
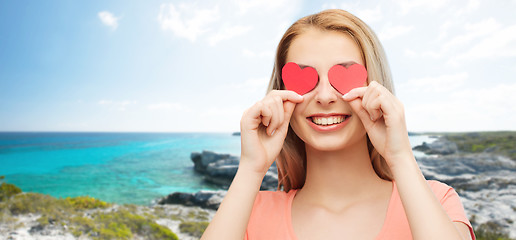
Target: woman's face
{"points": [[323, 120]]}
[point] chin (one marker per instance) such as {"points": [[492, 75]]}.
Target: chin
{"points": [[325, 146], [335, 142]]}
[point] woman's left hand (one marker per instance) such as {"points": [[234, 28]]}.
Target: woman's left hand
{"points": [[383, 118]]}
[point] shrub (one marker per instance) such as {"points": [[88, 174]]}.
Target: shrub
{"points": [[160, 232], [498, 142], [7, 190], [490, 230], [115, 230], [120, 223], [195, 229], [32, 203], [86, 202], [135, 223], [199, 215]]}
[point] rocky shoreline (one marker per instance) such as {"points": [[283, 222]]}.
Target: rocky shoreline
{"points": [[486, 182], [30, 226], [220, 169]]}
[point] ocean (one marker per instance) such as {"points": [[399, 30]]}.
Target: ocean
{"points": [[114, 167]]}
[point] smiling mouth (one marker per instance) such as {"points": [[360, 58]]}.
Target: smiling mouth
{"points": [[331, 120]]}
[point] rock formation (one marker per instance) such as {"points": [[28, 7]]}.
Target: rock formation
{"points": [[486, 182], [220, 169]]}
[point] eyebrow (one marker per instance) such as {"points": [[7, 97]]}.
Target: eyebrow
{"points": [[347, 64], [344, 64]]}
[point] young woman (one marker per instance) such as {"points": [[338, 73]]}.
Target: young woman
{"points": [[345, 164]]}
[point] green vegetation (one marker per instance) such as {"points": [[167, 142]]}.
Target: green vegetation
{"points": [[103, 223], [503, 143], [490, 231], [195, 229], [95, 219], [8, 190], [122, 223], [86, 203]]}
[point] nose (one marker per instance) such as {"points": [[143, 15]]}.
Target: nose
{"points": [[325, 94]]}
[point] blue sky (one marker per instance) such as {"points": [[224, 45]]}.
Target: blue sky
{"points": [[197, 65]]}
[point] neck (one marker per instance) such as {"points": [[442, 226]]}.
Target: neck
{"points": [[339, 175]]}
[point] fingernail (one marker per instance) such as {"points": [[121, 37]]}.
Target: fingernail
{"points": [[345, 96], [272, 133], [371, 116]]}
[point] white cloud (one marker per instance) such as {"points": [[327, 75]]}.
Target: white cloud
{"points": [[413, 54], [407, 6], [223, 117], [501, 43], [444, 28], [268, 5], [471, 6], [473, 31], [227, 20], [108, 19], [225, 111], [117, 105], [251, 54], [249, 85], [458, 42], [466, 110], [366, 14], [442, 83], [228, 33], [391, 32], [370, 15], [257, 83], [248, 53], [410, 53], [187, 20], [166, 106]]}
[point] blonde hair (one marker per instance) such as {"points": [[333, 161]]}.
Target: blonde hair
{"points": [[291, 161]]}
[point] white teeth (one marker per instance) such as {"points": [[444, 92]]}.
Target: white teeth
{"points": [[328, 120]]}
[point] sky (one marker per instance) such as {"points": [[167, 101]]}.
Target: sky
{"points": [[195, 66]]}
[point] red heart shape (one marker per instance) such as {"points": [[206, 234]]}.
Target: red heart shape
{"points": [[299, 80], [344, 79]]}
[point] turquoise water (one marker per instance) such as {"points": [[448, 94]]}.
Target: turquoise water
{"points": [[115, 167]]}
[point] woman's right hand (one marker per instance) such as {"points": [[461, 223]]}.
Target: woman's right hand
{"points": [[263, 129]]}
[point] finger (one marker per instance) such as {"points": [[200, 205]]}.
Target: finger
{"points": [[374, 108], [288, 108], [361, 112], [379, 101], [279, 106], [287, 95], [354, 93], [266, 114], [370, 101], [275, 120], [252, 117]]}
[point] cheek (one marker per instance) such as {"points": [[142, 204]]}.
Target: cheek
{"points": [[297, 121], [357, 125]]}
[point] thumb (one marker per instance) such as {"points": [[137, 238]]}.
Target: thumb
{"points": [[356, 106], [288, 110]]}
